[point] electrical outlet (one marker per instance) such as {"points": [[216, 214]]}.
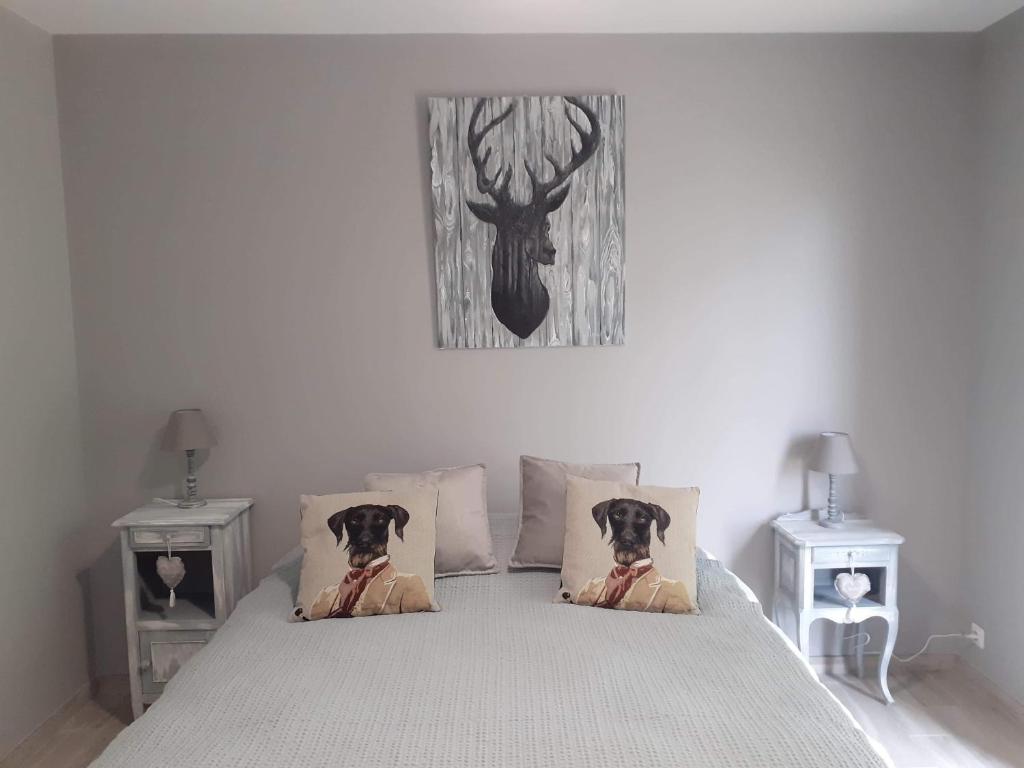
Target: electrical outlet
{"points": [[978, 636]]}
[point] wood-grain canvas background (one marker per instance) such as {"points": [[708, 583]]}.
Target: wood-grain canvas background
{"points": [[586, 283]]}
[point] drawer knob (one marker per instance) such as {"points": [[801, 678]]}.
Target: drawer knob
{"points": [[145, 664]]}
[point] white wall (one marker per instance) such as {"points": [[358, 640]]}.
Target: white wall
{"points": [[994, 558], [42, 639], [250, 232]]}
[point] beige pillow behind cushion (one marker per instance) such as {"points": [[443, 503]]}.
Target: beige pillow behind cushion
{"points": [[367, 554], [463, 539], [542, 493], [630, 547]]}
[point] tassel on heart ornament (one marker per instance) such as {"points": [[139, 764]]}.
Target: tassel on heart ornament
{"points": [[852, 587], [171, 571]]}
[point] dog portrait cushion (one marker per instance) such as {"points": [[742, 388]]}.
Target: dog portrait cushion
{"points": [[463, 532], [367, 554], [542, 499], [630, 548]]}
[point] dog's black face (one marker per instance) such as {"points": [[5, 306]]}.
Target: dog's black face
{"points": [[367, 529], [630, 521]]}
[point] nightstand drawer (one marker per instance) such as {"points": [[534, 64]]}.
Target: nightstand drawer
{"points": [[178, 538], [162, 654], [841, 555]]}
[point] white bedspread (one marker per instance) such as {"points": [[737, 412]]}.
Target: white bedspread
{"points": [[500, 677]]}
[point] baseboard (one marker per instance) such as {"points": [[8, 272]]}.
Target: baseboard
{"points": [[926, 662]]}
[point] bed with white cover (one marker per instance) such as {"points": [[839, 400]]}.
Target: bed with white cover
{"points": [[502, 676]]}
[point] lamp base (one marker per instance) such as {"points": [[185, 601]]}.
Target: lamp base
{"points": [[192, 498], [835, 516]]}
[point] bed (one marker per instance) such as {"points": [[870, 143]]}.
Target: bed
{"points": [[500, 677]]}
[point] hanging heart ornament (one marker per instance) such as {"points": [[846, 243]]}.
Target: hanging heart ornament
{"points": [[171, 571], [853, 586]]}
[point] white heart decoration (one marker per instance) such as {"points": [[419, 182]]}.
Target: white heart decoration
{"points": [[853, 586], [171, 571]]}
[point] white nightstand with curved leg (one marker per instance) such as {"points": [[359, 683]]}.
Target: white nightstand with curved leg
{"points": [[809, 557]]}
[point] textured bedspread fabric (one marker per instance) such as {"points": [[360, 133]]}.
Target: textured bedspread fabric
{"points": [[500, 677]]}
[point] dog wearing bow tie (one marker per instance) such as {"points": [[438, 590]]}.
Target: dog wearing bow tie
{"points": [[372, 586], [634, 584]]}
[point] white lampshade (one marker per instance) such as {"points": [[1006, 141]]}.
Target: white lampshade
{"points": [[833, 455], [187, 430]]}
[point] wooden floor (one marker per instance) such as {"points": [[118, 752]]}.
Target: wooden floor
{"points": [[946, 718], [942, 718], [76, 735]]}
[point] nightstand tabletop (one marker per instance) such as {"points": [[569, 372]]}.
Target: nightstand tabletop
{"points": [[857, 531], [218, 512]]}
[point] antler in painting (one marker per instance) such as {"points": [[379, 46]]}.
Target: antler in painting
{"points": [[518, 297]]}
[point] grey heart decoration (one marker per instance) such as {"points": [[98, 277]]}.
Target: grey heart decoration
{"points": [[171, 571], [853, 586]]}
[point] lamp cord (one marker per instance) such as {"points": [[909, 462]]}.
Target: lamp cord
{"points": [[927, 643], [909, 658]]}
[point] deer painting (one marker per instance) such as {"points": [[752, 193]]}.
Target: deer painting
{"points": [[522, 231]]}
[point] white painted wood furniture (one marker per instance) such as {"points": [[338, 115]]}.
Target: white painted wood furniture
{"points": [[213, 543], [809, 556]]}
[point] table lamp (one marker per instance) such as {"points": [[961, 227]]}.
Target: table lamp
{"points": [[834, 456], [188, 431]]}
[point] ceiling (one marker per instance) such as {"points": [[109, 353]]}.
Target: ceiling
{"points": [[508, 16]]}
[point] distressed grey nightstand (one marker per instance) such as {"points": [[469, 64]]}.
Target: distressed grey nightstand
{"points": [[808, 557], [213, 543]]}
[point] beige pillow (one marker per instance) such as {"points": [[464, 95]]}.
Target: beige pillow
{"points": [[542, 493], [367, 554], [629, 547], [463, 531]]}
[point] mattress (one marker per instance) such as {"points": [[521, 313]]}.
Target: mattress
{"points": [[502, 676]]}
